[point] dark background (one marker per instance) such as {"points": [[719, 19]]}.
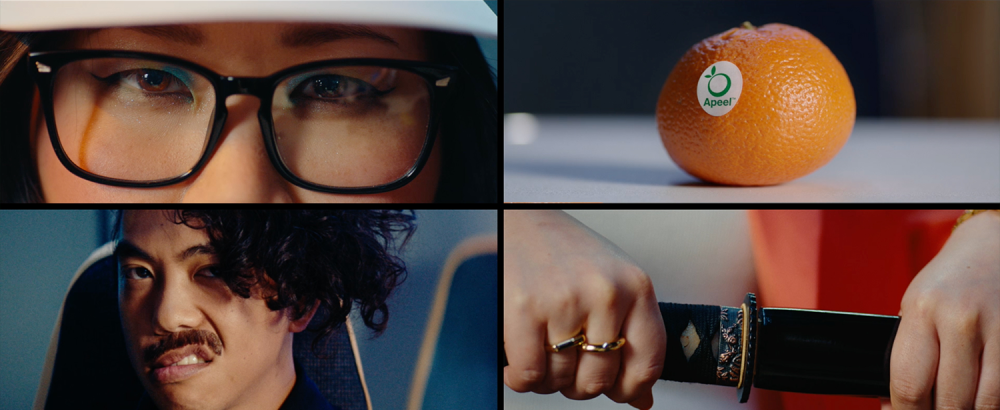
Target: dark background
{"points": [[931, 58]]}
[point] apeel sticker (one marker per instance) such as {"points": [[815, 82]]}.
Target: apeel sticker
{"points": [[719, 88]]}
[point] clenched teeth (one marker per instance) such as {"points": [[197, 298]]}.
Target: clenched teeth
{"points": [[191, 359]]}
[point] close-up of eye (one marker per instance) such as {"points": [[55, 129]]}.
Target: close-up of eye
{"points": [[136, 272], [315, 102], [334, 88], [209, 272], [151, 81]]}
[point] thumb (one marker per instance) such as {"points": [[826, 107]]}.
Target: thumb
{"points": [[886, 404]]}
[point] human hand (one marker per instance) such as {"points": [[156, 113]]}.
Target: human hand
{"points": [[561, 279], [946, 353]]}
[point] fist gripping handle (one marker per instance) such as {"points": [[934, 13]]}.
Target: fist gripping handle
{"points": [[796, 350]]}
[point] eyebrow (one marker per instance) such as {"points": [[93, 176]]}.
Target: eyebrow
{"points": [[299, 35], [197, 250], [179, 34], [126, 249]]}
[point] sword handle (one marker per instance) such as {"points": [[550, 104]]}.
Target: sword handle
{"points": [[807, 351], [711, 344], [695, 340]]}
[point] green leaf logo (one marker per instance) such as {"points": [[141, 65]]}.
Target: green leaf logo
{"points": [[717, 96]]}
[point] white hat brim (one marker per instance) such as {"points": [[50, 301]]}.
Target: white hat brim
{"points": [[462, 16]]}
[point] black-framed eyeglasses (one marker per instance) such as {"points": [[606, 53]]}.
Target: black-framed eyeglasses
{"points": [[134, 119]]}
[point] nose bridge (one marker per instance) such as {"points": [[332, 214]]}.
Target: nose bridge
{"points": [[245, 85], [241, 168], [176, 308]]}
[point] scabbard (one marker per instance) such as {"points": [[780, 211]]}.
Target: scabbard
{"points": [[795, 350]]}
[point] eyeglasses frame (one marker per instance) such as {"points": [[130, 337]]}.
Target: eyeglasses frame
{"points": [[441, 79]]}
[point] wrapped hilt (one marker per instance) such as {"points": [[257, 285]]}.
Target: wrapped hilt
{"points": [[711, 344], [807, 351], [694, 341]]}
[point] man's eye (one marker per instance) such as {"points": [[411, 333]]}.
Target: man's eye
{"points": [[136, 273], [209, 272]]}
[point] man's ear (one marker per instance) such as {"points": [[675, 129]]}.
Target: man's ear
{"points": [[300, 324]]}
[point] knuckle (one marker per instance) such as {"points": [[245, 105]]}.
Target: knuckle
{"points": [[573, 393], [906, 392], [630, 394], [950, 403], [988, 401], [964, 321], [643, 283], [606, 294], [648, 375], [528, 379], [922, 303], [564, 299], [543, 390], [596, 387], [560, 382], [620, 398]]}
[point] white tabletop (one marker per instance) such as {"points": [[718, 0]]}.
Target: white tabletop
{"points": [[621, 159]]}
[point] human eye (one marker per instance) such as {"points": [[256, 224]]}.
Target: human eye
{"points": [[334, 88], [209, 272], [151, 82], [136, 272]]}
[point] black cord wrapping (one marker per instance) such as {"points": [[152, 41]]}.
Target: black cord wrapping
{"points": [[701, 367]]}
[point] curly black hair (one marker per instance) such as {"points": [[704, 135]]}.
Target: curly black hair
{"points": [[296, 258]]}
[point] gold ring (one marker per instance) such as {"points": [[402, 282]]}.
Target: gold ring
{"points": [[577, 340], [606, 347]]}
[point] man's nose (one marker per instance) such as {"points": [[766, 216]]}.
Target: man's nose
{"points": [[176, 309], [239, 170]]}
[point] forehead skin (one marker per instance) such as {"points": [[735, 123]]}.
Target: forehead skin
{"points": [[256, 340], [235, 49], [151, 231], [256, 49]]}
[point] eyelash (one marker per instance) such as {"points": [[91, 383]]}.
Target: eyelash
{"points": [[211, 272], [132, 79], [366, 91], [127, 272]]}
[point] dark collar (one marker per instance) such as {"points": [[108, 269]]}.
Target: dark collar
{"points": [[304, 395]]}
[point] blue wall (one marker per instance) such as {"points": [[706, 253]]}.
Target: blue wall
{"points": [[390, 359], [39, 253]]}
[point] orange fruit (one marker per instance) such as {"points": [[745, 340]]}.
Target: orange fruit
{"points": [[783, 112]]}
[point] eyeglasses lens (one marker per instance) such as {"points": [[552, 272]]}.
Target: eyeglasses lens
{"points": [[143, 121], [351, 126], [132, 119]]}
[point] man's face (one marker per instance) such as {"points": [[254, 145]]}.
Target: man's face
{"points": [[194, 343]]}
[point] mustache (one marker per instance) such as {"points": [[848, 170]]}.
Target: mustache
{"points": [[181, 339]]}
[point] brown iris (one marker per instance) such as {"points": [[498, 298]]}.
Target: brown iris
{"points": [[154, 80]]}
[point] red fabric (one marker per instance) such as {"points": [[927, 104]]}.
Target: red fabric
{"points": [[846, 260]]}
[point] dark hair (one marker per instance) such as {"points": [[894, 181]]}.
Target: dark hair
{"points": [[468, 128], [298, 258]]}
